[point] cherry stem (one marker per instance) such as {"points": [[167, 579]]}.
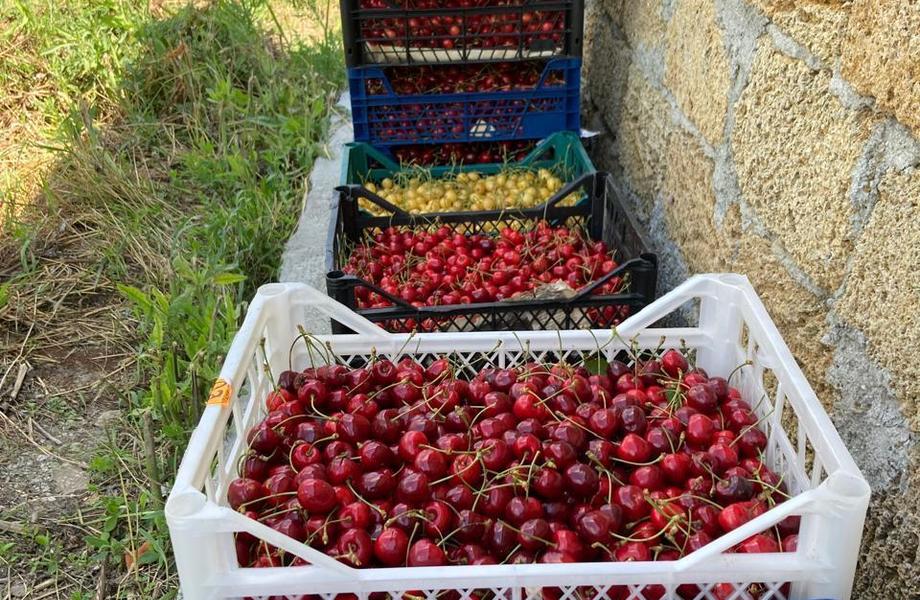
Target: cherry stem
{"points": [[362, 499]]}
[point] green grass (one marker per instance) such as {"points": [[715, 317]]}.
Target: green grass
{"points": [[181, 142]]}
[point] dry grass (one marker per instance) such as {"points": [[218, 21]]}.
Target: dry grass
{"points": [[138, 207]]}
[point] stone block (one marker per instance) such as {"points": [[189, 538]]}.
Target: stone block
{"points": [[890, 551], [697, 66], [882, 291], [640, 20], [644, 126], [795, 147], [689, 202], [881, 56], [799, 315], [606, 65], [819, 25]]}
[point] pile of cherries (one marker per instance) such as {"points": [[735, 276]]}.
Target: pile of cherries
{"points": [[540, 29], [430, 268], [469, 153], [449, 79], [454, 120], [402, 464]]}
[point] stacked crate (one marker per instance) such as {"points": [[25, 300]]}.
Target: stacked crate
{"points": [[425, 72], [455, 86]]}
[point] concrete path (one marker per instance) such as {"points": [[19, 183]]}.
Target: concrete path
{"points": [[304, 256]]}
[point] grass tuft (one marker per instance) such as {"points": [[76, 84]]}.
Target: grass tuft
{"points": [[181, 138]]}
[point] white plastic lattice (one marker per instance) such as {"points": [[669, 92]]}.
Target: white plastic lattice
{"points": [[828, 491]]}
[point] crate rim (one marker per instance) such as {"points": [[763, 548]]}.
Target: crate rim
{"points": [[543, 144]]}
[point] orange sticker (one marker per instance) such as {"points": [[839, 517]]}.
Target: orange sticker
{"points": [[220, 393]]}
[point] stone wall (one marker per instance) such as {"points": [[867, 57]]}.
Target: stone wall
{"points": [[779, 139]]}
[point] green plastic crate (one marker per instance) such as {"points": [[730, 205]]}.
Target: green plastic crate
{"points": [[562, 152]]}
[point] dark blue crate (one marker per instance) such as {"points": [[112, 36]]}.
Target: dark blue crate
{"points": [[387, 119]]}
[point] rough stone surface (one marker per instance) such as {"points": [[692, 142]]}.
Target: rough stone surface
{"points": [[867, 414], [882, 293], [819, 25], [689, 202], [605, 68], [640, 20], [644, 126], [888, 565], [799, 315], [698, 67], [881, 56], [69, 479], [794, 147]]}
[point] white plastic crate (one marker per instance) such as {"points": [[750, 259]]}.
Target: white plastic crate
{"points": [[829, 492]]}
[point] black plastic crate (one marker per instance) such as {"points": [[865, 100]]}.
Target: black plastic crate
{"points": [[405, 32], [604, 218]]}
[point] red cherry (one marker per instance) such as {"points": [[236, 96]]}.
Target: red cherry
{"points": [[245, 493], [561, 453], [534, 534], [263, 440], [342, 469], [676, 467], [700, 430], [700, 397], [523, 509], [438, 519], [460, 496], [391, 546], [355, 548], [431, 462], [466, 469], [594, 527], [605, 422], [759, 543], [316, 495], [356, 515], [634, 449], [632, 500], [495, 500], [375, 455], [723, 456], [735, 515], [353, 428], [375, 485], [410, 445], [425, 553], [581, 480], [549, 483], [673, 363], [633, 552], [501, 538]]}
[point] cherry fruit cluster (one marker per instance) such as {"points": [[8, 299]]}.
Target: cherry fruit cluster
{"points": [[404, 464]]}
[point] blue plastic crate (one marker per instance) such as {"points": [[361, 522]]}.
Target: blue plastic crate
{"points": [[386, 119]]}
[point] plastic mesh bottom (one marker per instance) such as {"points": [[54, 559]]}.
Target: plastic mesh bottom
{"points": [[707, 591]]}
